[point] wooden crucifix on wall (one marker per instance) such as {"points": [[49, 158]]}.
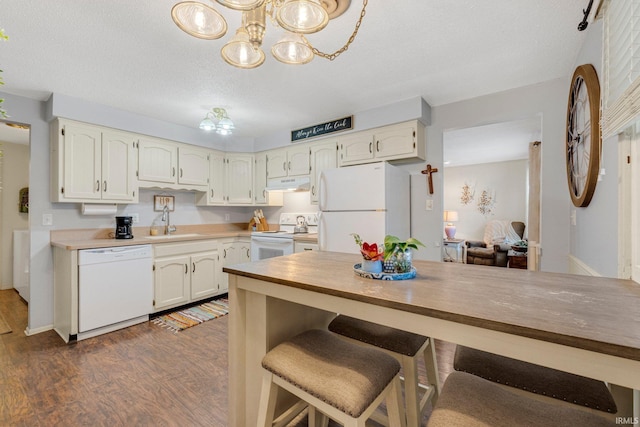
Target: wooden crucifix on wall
{"points": [[428, 171]]}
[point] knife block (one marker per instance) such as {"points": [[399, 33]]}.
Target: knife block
{"points": [[260, 226]]}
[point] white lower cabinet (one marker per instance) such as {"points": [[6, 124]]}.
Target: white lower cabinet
{"points": [[304, 247], [185, 272], [234, 252]]}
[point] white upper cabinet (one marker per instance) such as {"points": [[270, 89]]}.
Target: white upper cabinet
{"points": [[260, 178], [157, 162], [92, 164], [292, 161], [404, 141], [239, 178], [356, 148], [193, 166], [323, 156]]}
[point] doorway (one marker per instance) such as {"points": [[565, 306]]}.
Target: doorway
{"points": [[14, 207], [491, 172]]}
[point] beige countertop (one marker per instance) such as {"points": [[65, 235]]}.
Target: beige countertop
{"points": [[306, 237], [103, 237]]}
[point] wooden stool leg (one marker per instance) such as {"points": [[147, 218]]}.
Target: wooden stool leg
{"points": [[268, 397], [395, 408], [317, 418], [411, 390], [431, 367]]}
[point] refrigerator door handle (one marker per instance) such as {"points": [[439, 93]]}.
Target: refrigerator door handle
{"points": [[321, 232], [322, 193]]}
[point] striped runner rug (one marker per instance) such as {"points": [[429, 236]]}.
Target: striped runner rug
{"points": [[183, 319]]}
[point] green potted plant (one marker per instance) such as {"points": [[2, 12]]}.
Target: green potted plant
{"points": [[398, 254]]}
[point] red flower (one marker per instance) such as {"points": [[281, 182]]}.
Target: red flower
{"points": [[370, 252]]}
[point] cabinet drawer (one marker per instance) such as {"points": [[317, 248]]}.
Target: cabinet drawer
{"points": [[169, 249]]}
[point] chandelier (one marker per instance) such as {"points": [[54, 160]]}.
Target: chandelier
{"points": [[244, 49], [223, 127]]}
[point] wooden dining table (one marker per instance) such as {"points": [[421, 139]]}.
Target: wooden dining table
{"points": [[588, 326]]}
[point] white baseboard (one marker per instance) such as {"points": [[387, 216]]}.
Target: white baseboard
{"points": [[28, 332], [576, 266]]}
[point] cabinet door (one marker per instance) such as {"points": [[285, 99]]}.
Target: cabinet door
{"points": [[193, 166], [356, 148], [304, 247], [81, 147], [230, 256], [119, 181], [204, 275], [276, 164], [298, 161], [239, 178], [323, 157], [215, 195], [395, 141], [157, 161], [171, 281], [260, 179]]}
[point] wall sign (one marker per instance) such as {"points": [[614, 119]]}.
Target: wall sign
{"points": [[160, 201], [337, 125]]}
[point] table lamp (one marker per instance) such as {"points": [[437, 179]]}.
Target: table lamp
{"points": [[449, 217]]}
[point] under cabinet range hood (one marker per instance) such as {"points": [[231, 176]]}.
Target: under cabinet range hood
{"points": [[298, 183]]}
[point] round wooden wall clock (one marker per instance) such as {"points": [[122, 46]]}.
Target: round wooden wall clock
{"points": [[583, 140]]}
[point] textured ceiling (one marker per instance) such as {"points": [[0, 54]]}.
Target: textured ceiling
{"points": [[130, 55]]}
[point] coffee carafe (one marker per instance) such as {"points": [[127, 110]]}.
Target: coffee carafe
{"points": [[123, 227]]}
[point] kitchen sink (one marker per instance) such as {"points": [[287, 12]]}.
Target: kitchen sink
{"points": [[173, 236]]}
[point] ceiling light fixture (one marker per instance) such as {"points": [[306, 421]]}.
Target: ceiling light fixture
{"points": [[223, 127], [244, 50]]}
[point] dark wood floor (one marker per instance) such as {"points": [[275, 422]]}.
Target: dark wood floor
{"points": [[139, 376]]}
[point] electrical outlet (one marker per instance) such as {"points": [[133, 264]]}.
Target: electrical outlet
{"points": [[135, 218], [227, 217], [429, 205], [47, 219]]}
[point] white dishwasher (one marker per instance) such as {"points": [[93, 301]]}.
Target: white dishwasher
{"points": [[114, 285]]}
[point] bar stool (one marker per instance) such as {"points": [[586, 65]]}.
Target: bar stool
{"points": [[471, 401], [564, 386], [341, 380], [406, 347]]}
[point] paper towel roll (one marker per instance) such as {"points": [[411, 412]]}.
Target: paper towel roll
{"points": [[92, 209]]}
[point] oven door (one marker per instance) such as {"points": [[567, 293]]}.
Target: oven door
{"points": [[269, 247]]}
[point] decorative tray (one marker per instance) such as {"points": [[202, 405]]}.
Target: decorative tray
{"points": [[357, 268]]}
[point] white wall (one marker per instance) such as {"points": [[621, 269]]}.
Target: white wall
{"points": [[506, 180], [593, 240], [15, 175], [547, 99]]}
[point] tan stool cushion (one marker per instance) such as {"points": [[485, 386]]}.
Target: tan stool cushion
{"points": [[380, 336], [344, 375], [470, 401], [534, 378]]}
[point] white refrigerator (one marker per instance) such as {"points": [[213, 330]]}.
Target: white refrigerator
{"points": [[372, 200]]}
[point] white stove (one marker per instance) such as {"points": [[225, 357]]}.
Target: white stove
{"points": [[269, 244]]}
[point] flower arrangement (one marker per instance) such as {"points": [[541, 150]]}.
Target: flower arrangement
{"points": [[396, 254], [370, 252]]}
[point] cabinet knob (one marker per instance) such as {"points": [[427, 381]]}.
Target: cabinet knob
{"points": [[180, 172], [193, 269], [224, 253], [173, 171], [378, 146], [371, 147], [186, 268], [284, 166], [104, 186], [313, 190], [98, 185]]}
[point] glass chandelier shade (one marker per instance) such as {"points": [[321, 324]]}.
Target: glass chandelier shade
{"points": [[241, 53], [244, 49], [302, 16], [225, 125], [292, 48], [199, 20], [241, 4]]}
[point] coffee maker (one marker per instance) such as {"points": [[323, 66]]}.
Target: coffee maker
{"points": [[123, 227]]}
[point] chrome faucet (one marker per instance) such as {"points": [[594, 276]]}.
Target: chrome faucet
{"points": [[168, 228]]}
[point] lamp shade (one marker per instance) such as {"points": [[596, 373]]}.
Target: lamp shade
{"points": [[450, 216], [241, 4], [302, 16], [239, 51], [292, 49], [199, 20]]}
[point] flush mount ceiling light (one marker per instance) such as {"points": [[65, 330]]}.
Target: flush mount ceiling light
{"points": [[223, 127], [244, 50]]}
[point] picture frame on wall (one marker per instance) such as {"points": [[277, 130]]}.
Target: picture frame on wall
{"points": [[160, 201]]}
